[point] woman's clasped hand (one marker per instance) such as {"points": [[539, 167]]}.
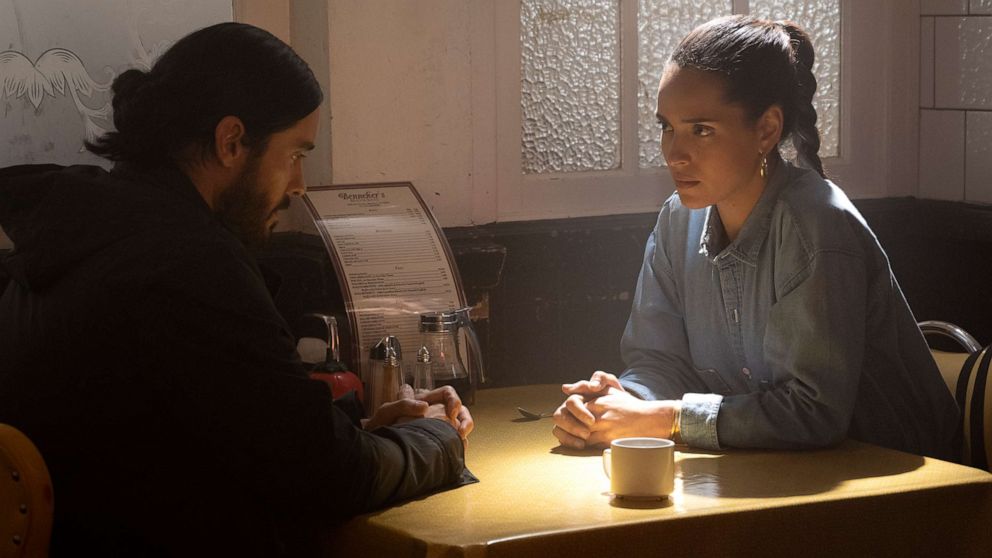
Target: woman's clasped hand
{"points": [[599, 410]]}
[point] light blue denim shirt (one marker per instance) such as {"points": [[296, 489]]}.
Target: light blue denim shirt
{"points": [[794, 335]]}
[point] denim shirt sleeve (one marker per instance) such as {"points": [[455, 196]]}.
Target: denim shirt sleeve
{"points": [[699, 413], [814, 346], [656, 351]]}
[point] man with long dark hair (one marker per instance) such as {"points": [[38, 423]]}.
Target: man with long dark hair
{"points": [[139, 345]]}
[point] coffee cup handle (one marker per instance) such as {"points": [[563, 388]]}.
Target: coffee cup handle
{"points": [[607, 461]]}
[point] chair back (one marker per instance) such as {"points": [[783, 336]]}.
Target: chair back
{"points": [[26, 499], [966, 375]]}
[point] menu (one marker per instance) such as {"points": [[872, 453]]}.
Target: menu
{"points": [[392, 261]]}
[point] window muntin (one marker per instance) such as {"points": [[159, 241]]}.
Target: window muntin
{"points": [[571, 73]]}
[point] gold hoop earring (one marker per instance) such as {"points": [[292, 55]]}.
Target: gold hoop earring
{"points": [[763, 171]]}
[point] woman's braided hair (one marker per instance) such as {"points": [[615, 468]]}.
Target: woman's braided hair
{"points": [[764, 63]]}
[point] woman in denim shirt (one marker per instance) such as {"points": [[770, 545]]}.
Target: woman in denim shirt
{"points": [[766, 314]]}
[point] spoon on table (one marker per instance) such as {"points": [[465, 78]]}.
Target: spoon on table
{"points": [[532, 415]]}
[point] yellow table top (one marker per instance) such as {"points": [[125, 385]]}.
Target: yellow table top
{"points": [[536, 498]]}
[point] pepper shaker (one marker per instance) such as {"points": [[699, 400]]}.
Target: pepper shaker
{"points": [[385, 373]]}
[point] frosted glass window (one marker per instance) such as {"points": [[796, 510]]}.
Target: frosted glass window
{"points": [[981, 7], [661, 24], [570, 85], [974, 84], [821, 19]]}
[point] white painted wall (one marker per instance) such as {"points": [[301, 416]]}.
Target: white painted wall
{"points": [[412, 91], [102, 40], [415, 88], [401, 98]]}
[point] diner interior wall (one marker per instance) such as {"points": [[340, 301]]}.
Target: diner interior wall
{"points": [[408, 96], [87, 43], [401, 79], [414, 98], [411, 99], [956, 100]]}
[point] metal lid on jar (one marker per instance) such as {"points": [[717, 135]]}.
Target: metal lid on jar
{"points": [[436, 322], [387, 350], [423, 354]]}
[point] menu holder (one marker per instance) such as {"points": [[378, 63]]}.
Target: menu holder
{"points": [[392, 261]]}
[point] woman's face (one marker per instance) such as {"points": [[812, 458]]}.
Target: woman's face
{"points": [[712, 151]]}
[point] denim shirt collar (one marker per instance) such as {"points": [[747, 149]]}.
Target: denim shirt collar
{"points": [[713, 240]]}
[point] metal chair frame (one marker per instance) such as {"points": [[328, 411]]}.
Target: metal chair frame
{"points": [[951, 331], [966, 375]]}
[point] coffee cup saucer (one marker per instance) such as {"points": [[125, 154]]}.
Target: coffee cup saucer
{"points": [[639, 497], [640, 502]]}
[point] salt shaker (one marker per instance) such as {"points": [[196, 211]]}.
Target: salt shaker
{"points": [[423, 374]]}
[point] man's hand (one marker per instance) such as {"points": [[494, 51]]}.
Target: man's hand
{"points": [[456, 413], [442, 403], [404, 409], [573, 420]]}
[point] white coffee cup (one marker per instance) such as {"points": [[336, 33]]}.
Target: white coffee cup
{"points": [[640, 468]]}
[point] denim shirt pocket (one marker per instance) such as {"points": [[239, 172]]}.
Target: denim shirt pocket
{"points": [[714, 381]]}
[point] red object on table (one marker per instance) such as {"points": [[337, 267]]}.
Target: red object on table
{"points": [[339, 378], [332, 370]]}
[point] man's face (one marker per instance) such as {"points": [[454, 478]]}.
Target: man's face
{"points": [[250, 206]]}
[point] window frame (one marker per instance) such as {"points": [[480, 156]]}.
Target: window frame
{"points": [[863, 167]]}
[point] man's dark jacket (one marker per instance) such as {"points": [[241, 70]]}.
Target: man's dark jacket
{"points": [[141, 351]]}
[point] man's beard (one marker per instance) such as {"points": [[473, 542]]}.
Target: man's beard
{"points": [[244, 207]]}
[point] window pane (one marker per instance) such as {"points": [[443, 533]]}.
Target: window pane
{"points": [[570, 85], [661, 24], [821, 19]]}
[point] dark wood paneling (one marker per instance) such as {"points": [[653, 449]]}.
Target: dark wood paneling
{"points": [[560, 301]]}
